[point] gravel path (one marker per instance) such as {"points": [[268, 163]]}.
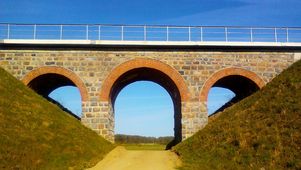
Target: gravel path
{"points": [[122, 159]]}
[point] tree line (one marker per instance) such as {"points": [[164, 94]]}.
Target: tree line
{"points": [[135, 139]]}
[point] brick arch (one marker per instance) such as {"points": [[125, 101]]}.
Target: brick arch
{"points": [[144, 63], [60, 71], [228, 72]]}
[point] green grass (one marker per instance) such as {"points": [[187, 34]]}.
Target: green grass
{"points": [[35, 134], [262, 131], [144, 146]]}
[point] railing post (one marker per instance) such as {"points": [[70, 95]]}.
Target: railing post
{"points": [[275, 32], [87, 32], [144, 32], [61, 32], [201, 33], [226, 34], [8, 31], [98, 32], [189, 30], [34, 31], [251, 32], [167, 33], [122, 27], [287, 38]]}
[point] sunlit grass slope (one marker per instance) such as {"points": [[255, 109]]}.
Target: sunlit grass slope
{"points": [[35, 134], [261, 132]]}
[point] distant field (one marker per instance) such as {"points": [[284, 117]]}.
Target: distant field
{"points": [[144, 146]]}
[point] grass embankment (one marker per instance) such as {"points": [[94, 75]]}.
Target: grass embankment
{"points": [[35, 134], [262, 131]]}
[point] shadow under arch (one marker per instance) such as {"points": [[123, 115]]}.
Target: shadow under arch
{"points": [[148, 70], [242, 82], [44, 80]]}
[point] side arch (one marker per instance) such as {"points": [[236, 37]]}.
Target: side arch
{"points": [[173, 74], [229, 72], [60, 71]]}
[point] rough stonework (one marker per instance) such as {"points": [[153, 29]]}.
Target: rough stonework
{"points": [[191, 73]]}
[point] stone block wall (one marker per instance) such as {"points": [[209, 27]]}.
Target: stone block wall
{"points": [[90, 68]]}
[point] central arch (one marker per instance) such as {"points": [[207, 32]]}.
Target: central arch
{"points": [[144, 63], [149, 70]]}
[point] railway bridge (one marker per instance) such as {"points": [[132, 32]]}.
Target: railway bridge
{"points": [[100, 60]]}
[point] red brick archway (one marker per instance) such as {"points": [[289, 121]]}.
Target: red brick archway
{"points": [[60, 71], [144, 63], [228, 72]]}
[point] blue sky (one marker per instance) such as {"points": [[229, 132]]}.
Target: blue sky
{"points": [[147, 103], [174, 12], [150, 100]]}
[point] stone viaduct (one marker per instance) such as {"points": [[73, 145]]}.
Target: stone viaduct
{"points": [[186, 71]]}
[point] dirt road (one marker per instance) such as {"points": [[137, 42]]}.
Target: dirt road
{"points": [[122, 159]]}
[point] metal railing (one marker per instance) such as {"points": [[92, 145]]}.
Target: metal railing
{"points": [[149, 33]]}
